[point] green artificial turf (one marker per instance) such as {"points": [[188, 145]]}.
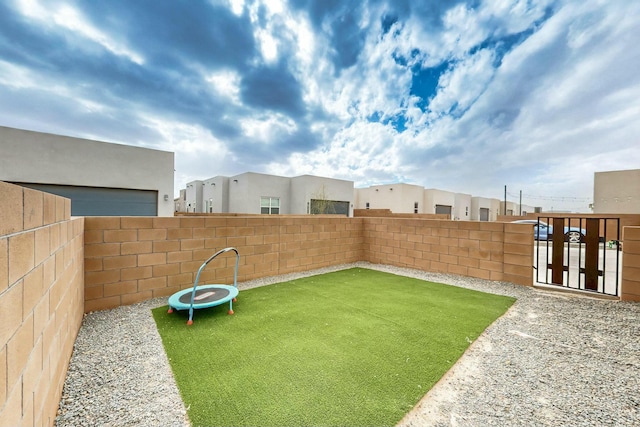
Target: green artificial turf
{"points": [[350, 348]]}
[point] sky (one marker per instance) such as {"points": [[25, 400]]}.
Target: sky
{"points": [[465, 96]]}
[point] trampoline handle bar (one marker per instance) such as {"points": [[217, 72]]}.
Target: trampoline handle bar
{"points": [[195, 285], [202, 267]]}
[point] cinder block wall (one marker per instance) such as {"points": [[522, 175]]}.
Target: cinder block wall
{"points": [[630, 290], [487, 250], [387, 213], [131, 259], [41, 302]]}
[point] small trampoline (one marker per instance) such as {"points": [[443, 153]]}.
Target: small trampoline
{"points": [[205, 296]]}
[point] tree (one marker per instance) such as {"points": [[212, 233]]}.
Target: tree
{"points": [[320, 203]]}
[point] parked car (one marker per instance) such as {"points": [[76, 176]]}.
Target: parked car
{"points": [[544, 231]]}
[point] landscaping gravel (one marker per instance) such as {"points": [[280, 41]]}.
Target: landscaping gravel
{"points": [[553, 359]]}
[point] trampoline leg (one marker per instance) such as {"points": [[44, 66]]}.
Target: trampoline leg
{"points": [[170, 310], [231, 307], [190, 321], [235, 300]]}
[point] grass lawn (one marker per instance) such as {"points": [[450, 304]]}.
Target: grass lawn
{"points": [[350, 348]]}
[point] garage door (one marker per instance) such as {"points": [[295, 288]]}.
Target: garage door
{"points": [[443, 209], [332, 207], [96, 201]]}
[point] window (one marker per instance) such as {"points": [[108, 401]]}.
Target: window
{"points": [[270, 205], [367, 205], [415, 207]]}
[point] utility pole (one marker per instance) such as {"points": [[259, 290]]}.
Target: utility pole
{"points": [[520, 202], [505, 200]]}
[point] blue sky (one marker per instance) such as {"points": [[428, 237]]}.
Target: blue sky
{"points": [[465, 96]]}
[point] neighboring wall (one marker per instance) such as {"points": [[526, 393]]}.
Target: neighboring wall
{"points": [[41, 302], [132, 259], [617, 192], [494, 251], [631, 264], [388, 214]]}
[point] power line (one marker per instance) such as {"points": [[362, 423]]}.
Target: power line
{"points": [[553, 198]]}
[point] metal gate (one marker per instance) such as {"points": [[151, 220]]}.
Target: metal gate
{"points": [[578, 253]]}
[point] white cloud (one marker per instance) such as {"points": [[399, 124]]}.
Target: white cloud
{"points": [[267, 16], [16, 76], [464, 84], [361, 152], [463, 30], [198, 154], [226, 83], [268, 45], [71, 19], [267, 127], [513, 16], [236, 6]]}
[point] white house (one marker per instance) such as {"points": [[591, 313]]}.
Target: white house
{"points": [[255, 193], [314, 194], [409, 198], [215, 195]]}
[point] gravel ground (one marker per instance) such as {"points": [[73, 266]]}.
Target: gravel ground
{"points": [[552, 360]]}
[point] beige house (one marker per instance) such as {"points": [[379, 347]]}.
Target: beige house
{"points": [[484, 209], [100, 178], [400, 198], [616, 192]]}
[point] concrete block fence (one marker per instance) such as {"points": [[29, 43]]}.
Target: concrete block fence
{"points": [[487, 250], [630, 290], [41, 302], [53, 268], [132, 259]]}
